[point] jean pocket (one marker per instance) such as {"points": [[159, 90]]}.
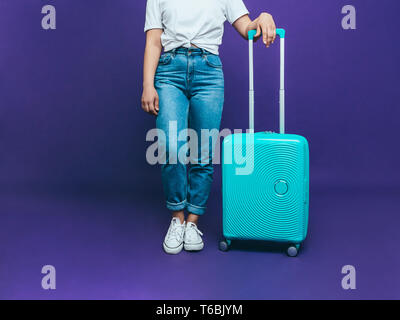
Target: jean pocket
{"points": [[165, 59], [213, 61]]}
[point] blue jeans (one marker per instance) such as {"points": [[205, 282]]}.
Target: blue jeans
{"points": [[190, 86]]}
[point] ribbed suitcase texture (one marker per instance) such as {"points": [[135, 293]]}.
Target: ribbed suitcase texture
{"points": [[271, 203]]}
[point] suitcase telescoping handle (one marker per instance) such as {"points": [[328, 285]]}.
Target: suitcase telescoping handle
{"points": [[281, 34]]}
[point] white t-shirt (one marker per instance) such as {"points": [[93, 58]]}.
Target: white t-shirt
{"points": [[198, 22]]}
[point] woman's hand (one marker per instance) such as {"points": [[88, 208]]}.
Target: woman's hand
{"points": [[265, 26], [150, 100]]}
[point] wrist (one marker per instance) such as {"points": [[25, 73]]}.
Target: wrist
{"points": [[252, 25], [149, 85]]}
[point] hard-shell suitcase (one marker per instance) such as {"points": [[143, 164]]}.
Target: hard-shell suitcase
{"points": [[265, 178]]}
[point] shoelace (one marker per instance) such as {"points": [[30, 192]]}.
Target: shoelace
{"points": [[196, 229], [173, 232]]}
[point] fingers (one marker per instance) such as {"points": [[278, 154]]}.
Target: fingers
{"points": [[271, 34], [148, 107], [265, 34], [151, 105], [154, 111], [156, 104], [267, 25], [145, 106], [152, 108], [257, 35]]}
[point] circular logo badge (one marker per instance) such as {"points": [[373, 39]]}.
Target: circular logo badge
{"points": [[281, 187]]}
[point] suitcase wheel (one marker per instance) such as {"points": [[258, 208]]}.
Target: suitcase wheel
{"points": [[293, 250], [224, 245]]}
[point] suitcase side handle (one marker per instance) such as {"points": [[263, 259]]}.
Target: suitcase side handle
{"points": [[281, 33]]}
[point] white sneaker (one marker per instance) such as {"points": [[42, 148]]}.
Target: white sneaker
{"points": [[192, 239], [173, 242]]}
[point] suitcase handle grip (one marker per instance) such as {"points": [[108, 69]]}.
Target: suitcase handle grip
{"points": [[251, 34], [281, 33]]}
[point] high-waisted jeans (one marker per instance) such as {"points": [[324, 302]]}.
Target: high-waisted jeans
{"points": [[190, 86]]}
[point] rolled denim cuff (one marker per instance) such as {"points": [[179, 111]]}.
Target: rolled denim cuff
{"points": [[191, 208], [176, 206]]}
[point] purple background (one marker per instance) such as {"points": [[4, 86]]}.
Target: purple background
{"points": [[76, 191]]}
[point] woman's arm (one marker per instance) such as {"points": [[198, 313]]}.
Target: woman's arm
{"points": [[264, 25], [151, 56]]}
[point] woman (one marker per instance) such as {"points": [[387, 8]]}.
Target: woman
{"points": [[184, 89]]}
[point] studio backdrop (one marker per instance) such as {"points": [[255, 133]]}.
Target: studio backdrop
{"points": [[77, 192]]}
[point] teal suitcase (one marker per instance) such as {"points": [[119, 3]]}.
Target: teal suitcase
{"points": [[265, 179]]}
